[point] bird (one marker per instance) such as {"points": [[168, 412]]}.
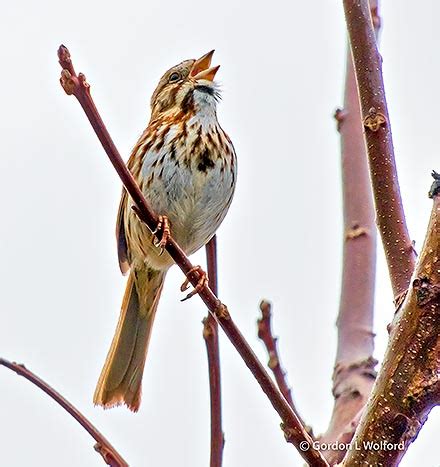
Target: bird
{"points": [[185, 164]]}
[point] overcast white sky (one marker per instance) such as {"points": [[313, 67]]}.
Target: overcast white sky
{"points": [[282, 70]]}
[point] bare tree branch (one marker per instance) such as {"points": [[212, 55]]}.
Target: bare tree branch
{"points": [[210, 334], [391, 222], [270, 342], [354, 374], [103, 446], [294, 432], [408, 385]]}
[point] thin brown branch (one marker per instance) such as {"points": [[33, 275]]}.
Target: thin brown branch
{"points": [[103, 446], [391, 222], [210, 334], [294, 432], [354, 374], [265, 334], [408, 384]]}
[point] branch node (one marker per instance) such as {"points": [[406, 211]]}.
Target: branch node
{"points": [[222, 312], [339, 116], [289, 433], [356, 231], [365, 366], [273, 361], [208, 330], [398, 301], [374, 120], [82, 79], [106, 454], [68, 82], [426, 292]]}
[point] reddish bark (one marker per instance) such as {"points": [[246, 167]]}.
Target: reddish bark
{"points": [[390, 215], [210, 334]]}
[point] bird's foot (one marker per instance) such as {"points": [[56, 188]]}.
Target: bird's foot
{"points": [[162, 233], [203, 280]]}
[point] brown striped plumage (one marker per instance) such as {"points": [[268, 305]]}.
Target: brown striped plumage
{"points": [[185, 165]]}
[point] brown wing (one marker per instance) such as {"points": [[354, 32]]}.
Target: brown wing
{"points": [[121, 239], [134, 165]]}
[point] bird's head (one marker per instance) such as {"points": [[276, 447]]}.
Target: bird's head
{"points": [[187, 87]]}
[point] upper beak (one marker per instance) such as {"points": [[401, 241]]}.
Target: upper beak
{"points": [[201, 70]]}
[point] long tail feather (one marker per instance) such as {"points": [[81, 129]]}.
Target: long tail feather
{"points": [[121, 377]]}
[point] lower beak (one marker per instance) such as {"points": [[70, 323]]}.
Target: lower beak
{"points": [[201, 70]]}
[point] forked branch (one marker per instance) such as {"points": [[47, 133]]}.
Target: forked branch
{"points": [[103, 446], [294, 432], [408, 384]]}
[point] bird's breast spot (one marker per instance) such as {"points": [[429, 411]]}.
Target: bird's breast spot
{"points": [[205, 162]]}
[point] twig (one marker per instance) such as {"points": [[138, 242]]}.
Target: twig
{"points": [[397, 244], [408, 384], [294, 432], [210, 334], [354, 374], [270, 342], [103, 446]]}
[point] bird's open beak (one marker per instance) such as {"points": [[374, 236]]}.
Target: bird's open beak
{"points": [[201, 70]]}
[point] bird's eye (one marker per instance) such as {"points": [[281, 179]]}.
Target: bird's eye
{"points": [[174, 77]]}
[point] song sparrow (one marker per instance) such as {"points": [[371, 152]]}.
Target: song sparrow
{"points": [[185, 165]]}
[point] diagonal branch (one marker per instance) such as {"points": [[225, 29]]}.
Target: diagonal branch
{"points": [[391, 222], [103, 446], [354, 375], [408, 385], [210, 334], [293, 430]]}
